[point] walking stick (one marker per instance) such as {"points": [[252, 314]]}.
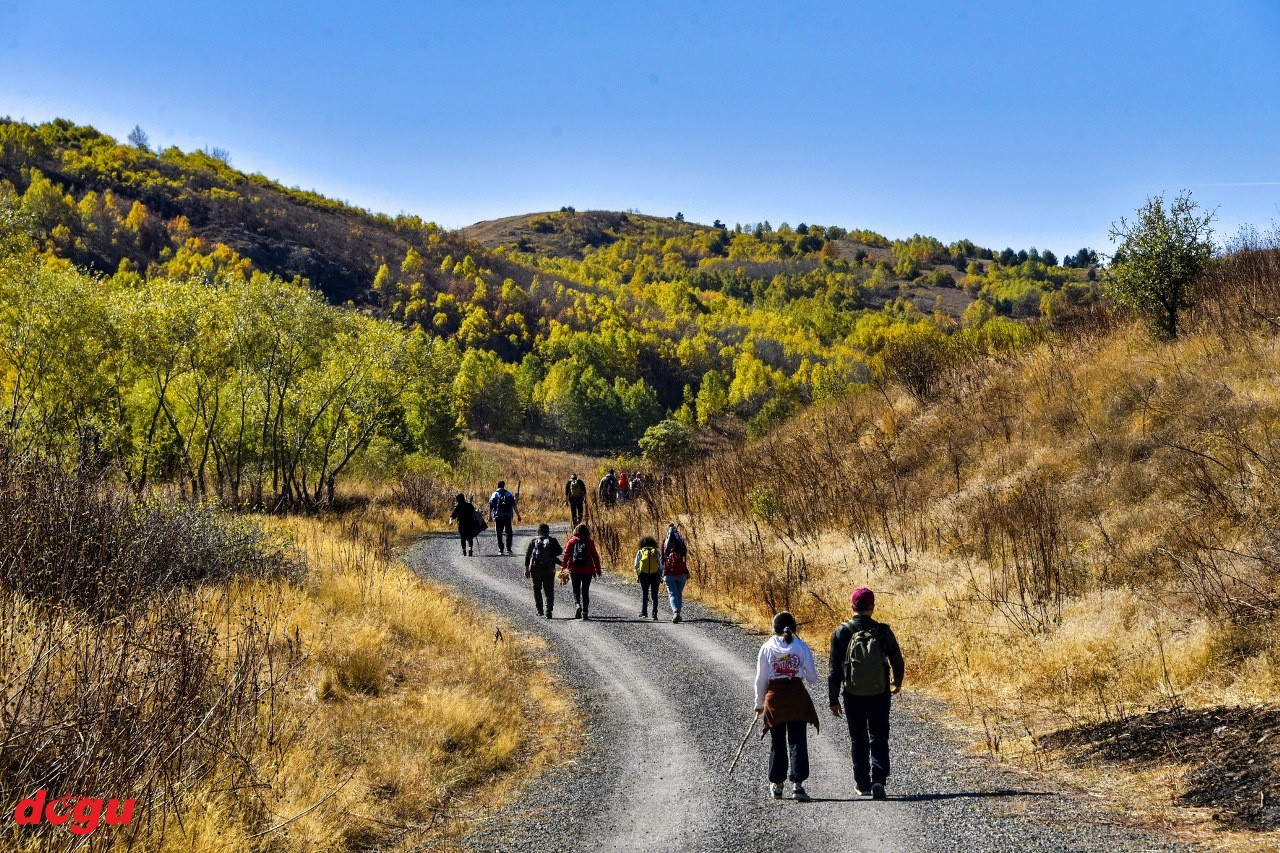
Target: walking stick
{"points": [[744, 741]]}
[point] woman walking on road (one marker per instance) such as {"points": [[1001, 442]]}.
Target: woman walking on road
{"points": [[784, 663], [649, 573], [582, 561], [675, 569], [464, 513]]}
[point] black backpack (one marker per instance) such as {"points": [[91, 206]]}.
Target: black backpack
{"points": [[542, 559], [864, 662], [580, 556]]}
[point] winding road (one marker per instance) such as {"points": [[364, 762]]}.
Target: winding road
{"points": [[665, 706]]}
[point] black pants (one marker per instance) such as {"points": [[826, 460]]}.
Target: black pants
{"points": [[544, 584], [790, 746], [468, 539], [582, 591], [575, 510], [503, 522], [868, 718], [649, 588]]}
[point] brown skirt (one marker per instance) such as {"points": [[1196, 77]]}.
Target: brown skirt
{"points": [[787, 700]]}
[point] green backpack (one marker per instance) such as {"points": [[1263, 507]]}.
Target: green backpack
{"points": [[864, 663]]}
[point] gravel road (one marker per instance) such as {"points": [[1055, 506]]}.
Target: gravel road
{"points": [[664, 708]]}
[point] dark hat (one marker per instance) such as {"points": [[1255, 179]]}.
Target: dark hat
{"points": [[544, 529], [863, 599]]}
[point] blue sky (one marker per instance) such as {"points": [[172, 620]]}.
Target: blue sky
{"points": [[1010, 123]]}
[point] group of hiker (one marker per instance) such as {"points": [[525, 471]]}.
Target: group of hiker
{"points": [[865, 669], [865, 660]]}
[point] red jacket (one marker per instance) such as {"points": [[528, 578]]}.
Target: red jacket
{"points": [[593, 558]]}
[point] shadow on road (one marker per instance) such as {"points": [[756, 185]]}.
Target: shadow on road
{"points": [[957, 795]]}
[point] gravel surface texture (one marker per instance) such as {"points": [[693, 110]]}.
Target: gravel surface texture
{"points": [[664, 708]]}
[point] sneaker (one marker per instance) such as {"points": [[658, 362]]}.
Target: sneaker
{"points": [[585, 617], [577, 614], [655, 615], [676, 618], [863, 792], [877, 792], [539, 611], [775, 788], [548, 614], [644, 613], [799, 794]]}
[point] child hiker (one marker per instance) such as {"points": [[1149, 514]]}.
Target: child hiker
{"points": [[784, 663]]}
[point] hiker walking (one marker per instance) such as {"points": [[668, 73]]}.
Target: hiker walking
{"points": [[464, 514], [649, 573], [785, 662], [575, 493], [624, 487], [582, 562], [502, 505], [540, 560], [675, 569], [608, 490], [863, 651]]}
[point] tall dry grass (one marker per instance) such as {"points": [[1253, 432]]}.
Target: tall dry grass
{"points": [[1076, 532], [286, 688]]}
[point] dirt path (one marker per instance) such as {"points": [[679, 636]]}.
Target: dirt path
{"points": [[664, 708]]}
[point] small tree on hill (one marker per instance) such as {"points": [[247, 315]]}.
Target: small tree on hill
{"points": [[138, 138], [1160, 256]]}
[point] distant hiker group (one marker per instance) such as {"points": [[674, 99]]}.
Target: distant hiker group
{"points": [[865, 665]]}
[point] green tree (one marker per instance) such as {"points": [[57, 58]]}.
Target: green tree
{"points": [[666, 443], [1160, 255]]}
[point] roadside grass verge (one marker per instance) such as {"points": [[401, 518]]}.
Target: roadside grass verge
{"points": [[314, 696]]}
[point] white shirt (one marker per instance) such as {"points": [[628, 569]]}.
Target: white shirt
{"points": [[778, 660]]}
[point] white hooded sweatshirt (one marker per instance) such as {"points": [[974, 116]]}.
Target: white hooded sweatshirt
{"points": [[779, 660]]}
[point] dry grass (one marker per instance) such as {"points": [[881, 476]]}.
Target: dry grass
{"points": [[343, 707], [1078, 533]]}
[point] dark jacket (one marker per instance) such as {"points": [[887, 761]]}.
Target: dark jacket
{"points": [[465, 515], [593, 558], [555, 552], [840, 649]]}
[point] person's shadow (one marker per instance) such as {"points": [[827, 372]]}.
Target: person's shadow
{"points": [[959, 795]]}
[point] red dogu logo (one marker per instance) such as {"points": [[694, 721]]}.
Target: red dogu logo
{"points": [[84, 814]]}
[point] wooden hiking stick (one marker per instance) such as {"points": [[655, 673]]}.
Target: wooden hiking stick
{"points": [[744, 741]]}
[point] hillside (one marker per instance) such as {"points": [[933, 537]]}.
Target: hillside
{"points": [[1076, 542], [575, 329]]}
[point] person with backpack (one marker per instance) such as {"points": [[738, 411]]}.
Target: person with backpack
{"points": [[866, 668], [540, 560], [649, 573], [582, 562], [502, 505], [675, 569], [608, 490], [575, 493], [464, 514], [624, 487], [785, 662]]}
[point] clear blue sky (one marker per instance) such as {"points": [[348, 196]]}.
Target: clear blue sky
{"points": [[1012, 123]]}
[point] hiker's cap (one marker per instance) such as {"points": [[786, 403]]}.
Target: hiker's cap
{"points": [[863, 599]]}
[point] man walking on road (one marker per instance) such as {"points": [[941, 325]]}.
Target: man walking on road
{"points": [[502, 505], [863, 651], [540, 561], [575, 493]]}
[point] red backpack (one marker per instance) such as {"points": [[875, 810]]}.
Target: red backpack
{"points": [[676, 564]]}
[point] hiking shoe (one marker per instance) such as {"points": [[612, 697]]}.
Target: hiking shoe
{"points": [[863, 792], [775, 788], [585, 617], [644, 613], [655, 615], [548, 614], [577, 614], [877, 792], [799, 794], [676, 618]]}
